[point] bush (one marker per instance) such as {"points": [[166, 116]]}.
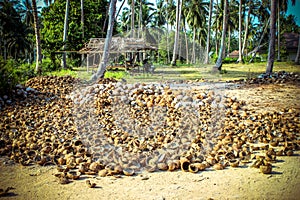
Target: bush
{"points": [[8, 77], [228, 60], [12, 73], [49, 66]]}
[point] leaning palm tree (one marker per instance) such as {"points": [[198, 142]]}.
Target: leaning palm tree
{"points": [[247, 26], [178, 19], [271, 53], [208, 33], [64, 58], [240, 59], [225, 18], [102, 66], [37, 38]]}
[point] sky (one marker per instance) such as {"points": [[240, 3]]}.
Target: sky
{"points": [[295, 10]]}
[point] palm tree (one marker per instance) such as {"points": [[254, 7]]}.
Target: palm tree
{"points": [[102, 66], [233, 18], [271, 53], [240, 59], [225, 17], [196, 12], [260, 40], [132, 18], [247, 26], [64, 58], [37, 37], [297, 59], [169, 10], [82, 23], [82, 17], [25, 8], [178, 19], [208, 32]]}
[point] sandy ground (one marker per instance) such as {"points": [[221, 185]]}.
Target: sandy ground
{"points": [[233, 183], [244, 182]]}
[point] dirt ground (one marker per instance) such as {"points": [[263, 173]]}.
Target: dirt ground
{"points": [[244, 182]]}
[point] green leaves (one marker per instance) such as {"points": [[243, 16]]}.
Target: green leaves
{"points": [[53, 23]]}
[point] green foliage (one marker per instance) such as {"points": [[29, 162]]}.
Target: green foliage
{"points": [[49, 65], [255, 60], [7, 77], [53, 26], [116, 74], [62, 72], [15, 35], [228, 60], [12, 73]]}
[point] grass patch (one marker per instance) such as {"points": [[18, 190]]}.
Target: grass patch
{"points": [[63, 72], [118, 74], [188, 72]]}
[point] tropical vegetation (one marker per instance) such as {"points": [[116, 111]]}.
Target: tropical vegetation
{"points": [[41, 34]]}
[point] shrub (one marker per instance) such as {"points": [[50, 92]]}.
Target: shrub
{"points": [[8, 77]]}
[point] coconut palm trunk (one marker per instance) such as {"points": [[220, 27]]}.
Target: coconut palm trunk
{"points": [[271, 53], [37, 38], [82, 24], [102, 66], [246, 28], [132, 19], [225, 18], [297, 59], [186, 43], [178, 19], [278, 31], [260, 40], [208, 33], [240, 32], [194, 46], [217, 28], [64, 58]]}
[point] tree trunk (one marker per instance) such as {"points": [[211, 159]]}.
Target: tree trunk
{"points": [[168, 48], [120, 8], [64, 58], [194, 46], [82, 25], [240, 32], [260, 40], [229, 40], [178, 19], [132, 19], [140, 20], [271, 53], [102, 66], [217, 29], [246, 29], [278, 31], [208, 33], [186, 44], [225, 18], [297, 59], [37, 38]]}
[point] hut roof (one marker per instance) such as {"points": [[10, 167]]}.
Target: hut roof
{"points": [[118, 45]]}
